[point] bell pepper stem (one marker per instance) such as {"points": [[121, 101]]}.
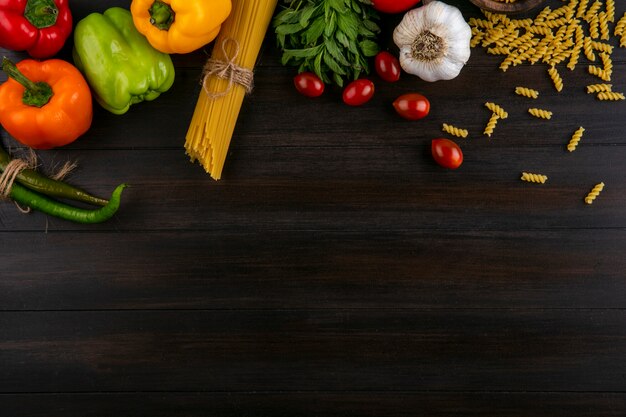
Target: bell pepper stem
{"points": [[161, 15], [35, 94], [43, 10], [41, 13]]}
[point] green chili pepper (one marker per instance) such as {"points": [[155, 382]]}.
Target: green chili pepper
{"points": [[40, 183], [23, 195]]}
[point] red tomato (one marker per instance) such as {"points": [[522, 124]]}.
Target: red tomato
{"points": [[358, 92], [387, 66], [393, 6], [308, 84], [412, 106], [447, 153]]}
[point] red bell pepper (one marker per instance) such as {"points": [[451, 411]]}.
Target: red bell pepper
{"points": [[39, 27]]}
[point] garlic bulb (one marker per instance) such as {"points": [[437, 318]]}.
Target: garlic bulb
{"points": [[434, 41]]}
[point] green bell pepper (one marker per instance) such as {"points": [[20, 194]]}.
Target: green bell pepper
{"points": [[118, 62]]}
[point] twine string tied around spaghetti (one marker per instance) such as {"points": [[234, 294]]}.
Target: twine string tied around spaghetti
{"points": [[228, 70]]}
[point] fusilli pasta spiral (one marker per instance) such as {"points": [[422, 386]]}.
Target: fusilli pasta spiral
{"points": [[537, 178], [604, 26], [595, 191], [582, 8], [599, 72], [588, 48], [491, 124], [496, 109], [594, 26], [455, 131], [592, 11], [610, 95], [620, 25], [598, 88], [556, 78], [602, 47], [526, 92], [607, 62], [576, 137], [610, 10], [540, 113]]}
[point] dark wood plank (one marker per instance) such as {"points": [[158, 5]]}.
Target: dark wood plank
{"points": [[330, 404], [350, 189], [267, 121], [313, 270], [336, 270], [312, 350]]}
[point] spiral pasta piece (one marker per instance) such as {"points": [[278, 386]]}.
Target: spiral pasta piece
{"points": [[455, 131], [491, 124], [496, 109], [592, 11], [541, 30], [582, 8], [558, 57], [522, 40], [604, 26], [576, 137], [499, 50], [574, 57], [555, 23], [561, 11], [536, 178], [493, 35], [599, 72], [620, 25], [599, 88], [477, 39], [610, 10], [602, 47], [594, 27], [511, 59], [593, 194], [480, 23], [607, 62], [588, 49], [526, 92], [540, 113], [610, 95], [556, 78]]}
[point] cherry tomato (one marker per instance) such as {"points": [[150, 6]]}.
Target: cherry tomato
{"points": [[358, 92], [387, 66], [393, 6], [308, 84], [447, 153], [412, 106]]}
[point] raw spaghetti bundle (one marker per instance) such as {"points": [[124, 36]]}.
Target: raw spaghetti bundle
{"points": [[227, 78]]}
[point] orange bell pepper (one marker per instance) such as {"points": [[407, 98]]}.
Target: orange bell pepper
{"points": [[179, 26], [44, 104]]}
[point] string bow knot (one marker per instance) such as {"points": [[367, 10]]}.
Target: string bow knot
{"points": [[227, 70]]}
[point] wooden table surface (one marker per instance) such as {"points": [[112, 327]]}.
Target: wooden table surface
{"points": [[335, 270]]}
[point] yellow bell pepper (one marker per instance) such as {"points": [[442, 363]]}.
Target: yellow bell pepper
{"points": [[179, 26]]}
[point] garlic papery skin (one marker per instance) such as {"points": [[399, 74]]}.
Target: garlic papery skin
{"points": [[434, 41]]}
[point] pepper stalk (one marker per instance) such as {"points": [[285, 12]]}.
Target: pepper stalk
{"points": [[36, 94]]}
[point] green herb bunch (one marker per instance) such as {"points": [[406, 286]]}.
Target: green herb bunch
{"points": [[332, 38]]}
